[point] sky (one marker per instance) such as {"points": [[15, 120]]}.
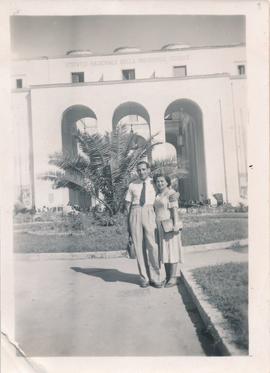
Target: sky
{"points": [[54, 36]]}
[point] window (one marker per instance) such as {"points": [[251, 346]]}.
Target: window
{"points": [[77, 77], [134, 118], [128, 74], [19, 83], [179, 71], [241, 69]]}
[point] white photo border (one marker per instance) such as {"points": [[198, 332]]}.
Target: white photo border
{"points": [[257, 52]]}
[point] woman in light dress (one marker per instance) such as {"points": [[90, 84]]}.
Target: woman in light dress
{"points": [[170, 242]]}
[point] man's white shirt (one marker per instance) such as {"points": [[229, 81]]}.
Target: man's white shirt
{"points": [[134, 192]]}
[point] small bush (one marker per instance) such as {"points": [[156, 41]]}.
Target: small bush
{"points": [[19, 207], [241, 208]]}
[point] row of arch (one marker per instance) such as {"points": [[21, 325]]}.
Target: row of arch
{"points": [[183, 121]]}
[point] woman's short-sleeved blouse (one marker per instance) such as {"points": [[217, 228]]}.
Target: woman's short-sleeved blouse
{"points": [[172, 204], [162, 205]]}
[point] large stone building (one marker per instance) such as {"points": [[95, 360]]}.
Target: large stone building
{"points": [[193, 98]]}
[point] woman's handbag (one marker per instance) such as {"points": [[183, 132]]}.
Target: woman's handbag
{"points": [[167, 225]]}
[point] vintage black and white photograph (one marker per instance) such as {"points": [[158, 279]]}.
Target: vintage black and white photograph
{"points": [[131, 189], [135, 208]]}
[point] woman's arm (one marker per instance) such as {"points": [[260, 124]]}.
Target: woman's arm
{"points": [[175, 218], [173, 207]]}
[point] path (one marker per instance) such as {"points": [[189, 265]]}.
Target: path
{"points": [[203, 258], [95, 307]]}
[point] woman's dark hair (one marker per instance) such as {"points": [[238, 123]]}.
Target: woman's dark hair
{"points": [[166, 177]]}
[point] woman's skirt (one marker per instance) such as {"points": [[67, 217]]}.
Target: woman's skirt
{"points": [[170, 245]]}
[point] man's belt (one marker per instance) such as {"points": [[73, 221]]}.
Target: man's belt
{"points": [[138, 205]]}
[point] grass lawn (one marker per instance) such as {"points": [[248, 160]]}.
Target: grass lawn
{"points": [[91, 237], [207, 229], [226, 287], [103, 239]]}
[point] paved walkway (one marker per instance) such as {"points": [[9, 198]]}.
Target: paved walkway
{"points": [[203, 258], [94, 307]]}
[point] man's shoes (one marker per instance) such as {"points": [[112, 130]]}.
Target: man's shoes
{"points": [[157, 285], [144, 284], [171, 282]]}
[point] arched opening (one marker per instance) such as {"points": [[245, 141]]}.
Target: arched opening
{"points": [[74, 118], [184, 130], [134, 117]]}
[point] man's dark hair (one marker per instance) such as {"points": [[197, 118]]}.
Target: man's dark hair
{"points": [[143, 162]]}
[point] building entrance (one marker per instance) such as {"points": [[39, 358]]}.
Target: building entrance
{"points": [[77, 117], [134, 118], [184, 130]]}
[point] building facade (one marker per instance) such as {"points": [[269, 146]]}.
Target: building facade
{"points": [[192, 99]]}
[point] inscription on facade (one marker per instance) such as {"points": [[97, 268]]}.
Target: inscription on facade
{"points": [[127, 61]]}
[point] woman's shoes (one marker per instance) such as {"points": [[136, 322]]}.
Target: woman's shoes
{"points": [[168, 284], [171, 282]]}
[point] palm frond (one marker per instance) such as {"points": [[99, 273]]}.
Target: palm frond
{"points": [[105, 165], [68, 163], [95, 147]]}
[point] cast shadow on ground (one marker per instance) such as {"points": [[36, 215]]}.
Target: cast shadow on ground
{"points": [[205, 338], [109, 275]]}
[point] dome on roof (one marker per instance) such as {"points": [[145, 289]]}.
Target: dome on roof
{"points": [[175, 46], [79, 52], [126, 50]]}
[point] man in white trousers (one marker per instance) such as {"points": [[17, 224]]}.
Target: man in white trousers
{"points": [[139, 200]]}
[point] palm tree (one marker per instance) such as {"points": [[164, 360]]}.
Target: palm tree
{"points": [[104, 168]]}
